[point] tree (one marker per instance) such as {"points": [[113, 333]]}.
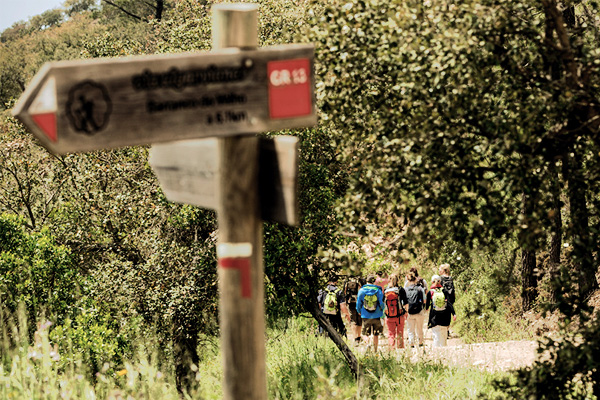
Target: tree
{"points": [[12, 74], [447, 113], [453, 116], [78, 6], [149, 257], [23, 53], [139, 10]]}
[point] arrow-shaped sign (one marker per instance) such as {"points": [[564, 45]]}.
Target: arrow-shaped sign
{"points": [[188, 172], [97, 104]]}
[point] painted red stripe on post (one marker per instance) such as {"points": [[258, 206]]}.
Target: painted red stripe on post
{"points": [[243, 265], [47, 123]]}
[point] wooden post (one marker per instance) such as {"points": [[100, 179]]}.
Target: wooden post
{"points": [[239, 248]]}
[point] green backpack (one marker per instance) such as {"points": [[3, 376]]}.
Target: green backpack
{"points": [[370, 302], [438, 300], [330, 304]]}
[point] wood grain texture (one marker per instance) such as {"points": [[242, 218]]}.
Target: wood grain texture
{"points": [[188, 172], [111, 103], [242, 320]]}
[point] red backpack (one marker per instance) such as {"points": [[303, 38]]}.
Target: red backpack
{"points": [[392, 303]]}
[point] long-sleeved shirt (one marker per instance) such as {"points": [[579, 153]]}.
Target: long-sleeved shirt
{"points": [[441, 318]]}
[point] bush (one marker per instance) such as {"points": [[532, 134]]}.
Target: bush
{"points": [[36, 272], [487, 303], [97, 340]]}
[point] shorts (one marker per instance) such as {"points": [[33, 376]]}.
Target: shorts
{"points": [[372, 325], [355, 315]]}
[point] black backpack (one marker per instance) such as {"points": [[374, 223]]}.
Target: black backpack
{"points": [[448, 288], [415, 299], [351, 291]]}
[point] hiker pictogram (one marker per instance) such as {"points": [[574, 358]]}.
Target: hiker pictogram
{"points": [[89, 107]]}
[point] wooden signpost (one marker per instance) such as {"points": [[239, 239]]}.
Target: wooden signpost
{"points": [[188, 172], [232, 93], [76, 106]]}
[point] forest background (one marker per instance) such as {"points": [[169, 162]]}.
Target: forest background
{"points": [[460, 133]]}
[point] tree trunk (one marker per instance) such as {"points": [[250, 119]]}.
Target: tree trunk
{"points": [[186, 354], [314, 309], [556, 237], [529, 278], [579, 227], [160, 6]]}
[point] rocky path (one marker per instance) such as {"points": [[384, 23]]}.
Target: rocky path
{"points": [[493, 356]]}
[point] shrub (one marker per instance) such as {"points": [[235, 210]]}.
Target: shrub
{"points": [[487, 303], [36, 272]]}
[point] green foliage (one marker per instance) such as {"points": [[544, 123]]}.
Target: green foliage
{"points": [[456, 255], [144, 256], [94, 341], [23, 50], [29, 177], [445, 127], [292, 255], [110, 45], [304, 366], [73, 7], [185, 27], [567, 365], [467, 120], [570, 372], [487, 297], [35, 271], [39, 370]]}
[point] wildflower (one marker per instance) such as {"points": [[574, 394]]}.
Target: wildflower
{"points": [[33, 354], [122, 372], [45, 325]]}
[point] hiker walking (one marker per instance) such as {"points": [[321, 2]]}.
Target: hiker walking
{"points": [[416, 310], [333, 303], [420, 281], [351, 294], [441, 312], [447, 283], [381, 280], [396, 303], [370, 305]]}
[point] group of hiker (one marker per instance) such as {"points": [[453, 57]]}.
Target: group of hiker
{"points": [[370, 303]]}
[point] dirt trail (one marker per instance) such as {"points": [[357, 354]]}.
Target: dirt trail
{"points": [[493, 356]]}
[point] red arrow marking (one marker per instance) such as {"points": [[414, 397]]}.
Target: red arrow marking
{"points": [[243, 265], [47, 123]]}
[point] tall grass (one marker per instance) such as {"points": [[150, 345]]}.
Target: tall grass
{"points": [[300, 365], [303, 366], [36, 369]]}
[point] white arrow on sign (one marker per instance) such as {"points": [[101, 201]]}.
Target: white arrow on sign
{"points": [[188, 173], [76, 106]]}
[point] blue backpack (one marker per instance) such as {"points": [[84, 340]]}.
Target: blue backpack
{"points": [[370, 301]]}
